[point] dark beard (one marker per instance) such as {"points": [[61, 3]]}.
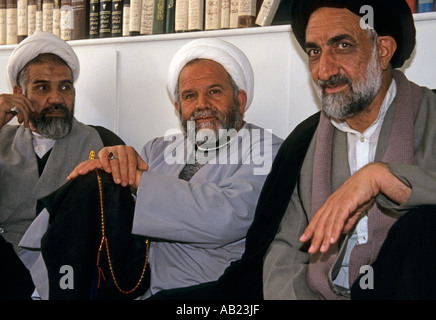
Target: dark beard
{"points": [[53, 128]]}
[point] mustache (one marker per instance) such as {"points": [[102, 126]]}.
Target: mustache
{"points": [[335, 80], [55, 107], [203, 113]]}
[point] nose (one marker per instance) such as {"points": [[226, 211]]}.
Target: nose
{"points": [[55, 96], [203, 101], [328, 66]]}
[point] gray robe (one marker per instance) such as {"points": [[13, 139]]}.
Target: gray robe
{"points": [[20, 183], [200, 225]]}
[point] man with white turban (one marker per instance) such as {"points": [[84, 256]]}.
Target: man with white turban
{"points": [[37, 155], [197, 191]]}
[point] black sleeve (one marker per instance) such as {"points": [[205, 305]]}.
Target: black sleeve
{"points": [[108, 137]]}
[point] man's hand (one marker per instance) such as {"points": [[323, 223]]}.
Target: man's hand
{"points": [[125, 164], [23, 106], [342, 209]]}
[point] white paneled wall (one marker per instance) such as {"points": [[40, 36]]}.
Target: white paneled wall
{"points": [[122, 84]]}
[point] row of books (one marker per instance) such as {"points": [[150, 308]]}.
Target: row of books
{"points": [[82, 19], [421, 6]]}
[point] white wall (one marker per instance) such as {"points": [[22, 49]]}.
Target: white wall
{"points": [[122, 84]]}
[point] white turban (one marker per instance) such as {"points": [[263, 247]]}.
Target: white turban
{"points": [[41, 42], [230, 57]]}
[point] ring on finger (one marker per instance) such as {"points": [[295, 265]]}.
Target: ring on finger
{"points": [[112, 156]]}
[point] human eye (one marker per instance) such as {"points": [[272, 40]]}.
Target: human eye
{"points": [[188, 96], [313, 52]]}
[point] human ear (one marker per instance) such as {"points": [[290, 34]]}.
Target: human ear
{"points": [[242, 100], [386, 47]]}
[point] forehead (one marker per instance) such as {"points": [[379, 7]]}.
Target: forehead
{"points": [[203, 69], [49, 70], [325, 23]]}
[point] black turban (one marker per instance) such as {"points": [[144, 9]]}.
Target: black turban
{"points": [[391, 18]]}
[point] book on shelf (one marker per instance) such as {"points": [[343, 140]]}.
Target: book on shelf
{"points": [[21, 20], [212, 15], [135, 17], [181, 16], [159, 16], [147, 12], [104, 18], [225, 14], [2, 21], [66, 20], [57, 17], [38, 15], [11, 22], [31, 17], [117, 18], [79, 12], [195, 15], [425, 6], [94, 9], [267, 12], [126, 17], [47, 15], [170, 16], [247, 12], [234, 16]]}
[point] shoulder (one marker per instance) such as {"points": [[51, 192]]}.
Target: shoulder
{"points": [[108, 137]]}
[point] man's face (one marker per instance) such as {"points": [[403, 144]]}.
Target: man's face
{"points": [[51, 90], [207, 97], [343, 61]]}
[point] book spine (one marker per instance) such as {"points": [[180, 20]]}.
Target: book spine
{"points": [[47, 15], [246, 13], [79, 25], [66, 20], [2, 21], [159, 16], [147, 12], [117, 18], [170, 16], [195, 15], [21, 20], [425, 5], [181, 16], [267, 12], [38, 15], [94, 9], [126, 17], [31, 17], [225, 14], [212, 15], [234, 6], [135, 17], [104, 25], [57, 17], [11, 22]]}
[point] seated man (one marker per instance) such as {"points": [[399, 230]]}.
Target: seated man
{"points": [[344, 176], [37, 156], [196, 191]]}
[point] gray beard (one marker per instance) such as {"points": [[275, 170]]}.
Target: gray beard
{"points": [[341, 106], [231, 120], [53, 128]]}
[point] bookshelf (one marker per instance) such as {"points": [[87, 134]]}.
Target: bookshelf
{"points": [[122, 84]]}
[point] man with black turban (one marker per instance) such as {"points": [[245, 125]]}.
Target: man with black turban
{"points": [[345, 175]]}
